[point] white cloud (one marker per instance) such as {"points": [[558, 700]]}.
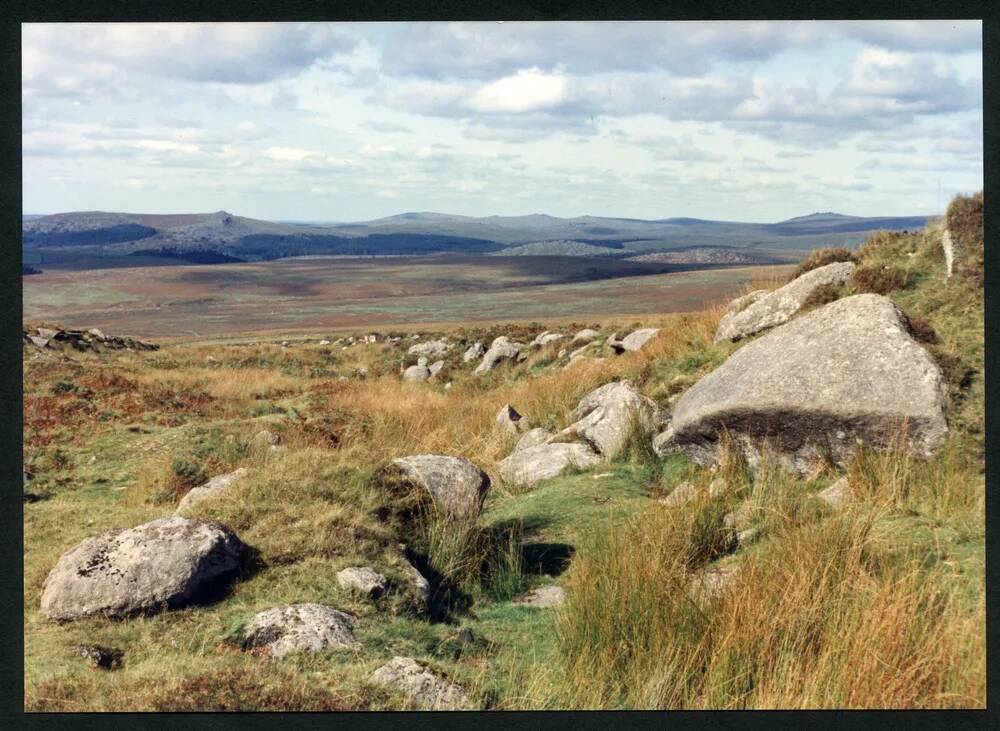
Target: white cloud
{"points": [[527, 91]]}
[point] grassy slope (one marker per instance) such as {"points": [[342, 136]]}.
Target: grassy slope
{"points": [[881, 606]]}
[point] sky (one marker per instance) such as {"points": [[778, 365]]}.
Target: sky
{"points": [[742, 121]]}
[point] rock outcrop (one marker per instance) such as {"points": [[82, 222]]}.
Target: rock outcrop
{"points": [[778, 307], [815, 388], [85, 340], [299, 628], [216, 486], [525, 467], [501, 350], [454, 483], [544, 597], [605, 417], [161, 564]]}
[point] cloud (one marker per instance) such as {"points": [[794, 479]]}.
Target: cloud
{"points": [[527, 91], [235, 53], [916, 35], [488, 50]]}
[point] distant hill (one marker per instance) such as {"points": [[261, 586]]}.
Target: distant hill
{"points": [[93, 239]]}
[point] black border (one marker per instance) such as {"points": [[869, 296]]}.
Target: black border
{"points": [[11, 528]]}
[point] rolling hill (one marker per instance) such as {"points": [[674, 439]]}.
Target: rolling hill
{"points": [[96, 239]]}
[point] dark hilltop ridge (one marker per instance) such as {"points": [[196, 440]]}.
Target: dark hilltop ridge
{"points": [[97, 239]]}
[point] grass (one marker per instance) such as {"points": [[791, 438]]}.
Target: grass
{"points": [[879, 606]]}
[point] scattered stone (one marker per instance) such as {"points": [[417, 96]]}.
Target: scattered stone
{"points": [[585, 336], [454, 483], [262, 441], [685, 492], [476, 350], [364, 579], [545, 338], [712, 583], [422, 361], [216, 486], [844, 374], [605, 417], [837, 495], [510, 422], [527, 466], [420, 685], [501, 350], [298, 628], [543, 597], [323, 342], [419, 584], [100, 657], [429, 347], [778, 307], [416, 373], [435, 367], [561, 353], [447, 386], [285, 343], [637, 339], [533, 438], [165, 563]]}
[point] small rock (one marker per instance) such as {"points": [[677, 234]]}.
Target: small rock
{"points": [[634, 340], [510, 422], [585, 336], [525, 467], [422, 361], [435, 367], [476, 350], [299, 627], [416, 373], [420, 685], [543, 597], [215, 486], [364, 579], [99, 657], [454, 483], [837, 495], [323, 342], [261, 441], [712, 583]]}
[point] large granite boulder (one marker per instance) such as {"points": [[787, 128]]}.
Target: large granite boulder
{"points": [[454, 483], [299, 628], [216, 486], [501, 350], [606, 416], [425, 689], [844, 374], [585, 336], [161, 564], [525, 467], [767, 311]]}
